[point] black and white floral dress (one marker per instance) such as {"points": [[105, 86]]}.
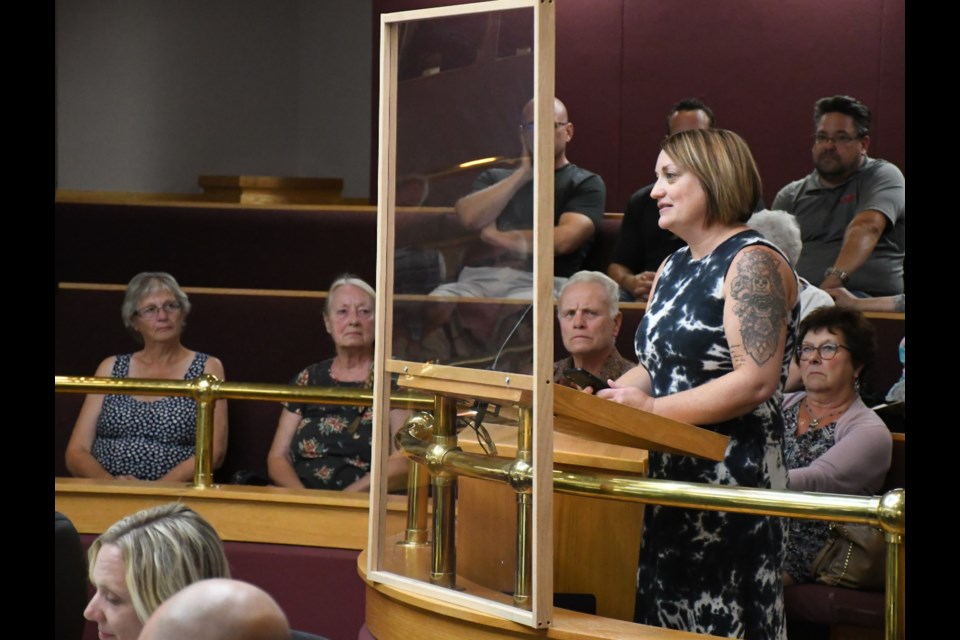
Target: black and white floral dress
{"points": [[332, 446], [805, 538], [146, 439], [710, 571]]}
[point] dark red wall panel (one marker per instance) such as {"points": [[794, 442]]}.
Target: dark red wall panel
{"points": [[760, 65], [588, 81]]}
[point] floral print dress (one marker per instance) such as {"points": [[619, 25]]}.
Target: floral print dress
{"points": [[332, 446], [805, 538]]}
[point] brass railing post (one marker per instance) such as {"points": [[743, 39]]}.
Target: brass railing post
{"points": [[444, 569], [892, 517], [444, 460], [417, 483], [205, 388], [521, 592], [893, 597]]}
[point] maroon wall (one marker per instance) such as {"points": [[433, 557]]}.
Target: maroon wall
{"points": [[760, 65]]}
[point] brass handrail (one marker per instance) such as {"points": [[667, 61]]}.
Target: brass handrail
{"points": [[888, 512], [208, 388], [445, 460]]}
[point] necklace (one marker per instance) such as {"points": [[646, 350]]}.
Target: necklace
{"points": [[814, 420]]}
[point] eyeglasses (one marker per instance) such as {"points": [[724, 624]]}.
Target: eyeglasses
{"points": [[825, 351], [528, 126], [151, 312], [841, 139]]}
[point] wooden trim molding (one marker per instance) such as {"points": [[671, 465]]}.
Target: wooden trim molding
{"points": [[308, 517]]}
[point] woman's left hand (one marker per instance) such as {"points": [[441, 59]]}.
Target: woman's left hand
{"points": [[628, 395]]}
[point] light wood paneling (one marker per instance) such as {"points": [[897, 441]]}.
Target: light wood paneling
{"points": [[275, 515], [394, 614]]}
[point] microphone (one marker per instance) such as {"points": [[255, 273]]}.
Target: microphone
{"points": [[482, 406]]}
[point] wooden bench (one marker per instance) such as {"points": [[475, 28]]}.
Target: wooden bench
{"points": [[256, 277]]}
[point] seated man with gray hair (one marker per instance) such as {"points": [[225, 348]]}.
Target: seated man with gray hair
{"points": [[782, 229], [588, 309]]}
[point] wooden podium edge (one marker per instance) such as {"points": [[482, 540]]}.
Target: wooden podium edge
{"points": [[600, 420]]}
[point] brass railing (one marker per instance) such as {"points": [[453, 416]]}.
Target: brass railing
{"points": [[437, 450], [442, 456], [207, 389]]}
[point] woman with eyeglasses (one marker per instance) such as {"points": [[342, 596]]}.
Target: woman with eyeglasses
{"points": [[147, 437], [833, 442]]}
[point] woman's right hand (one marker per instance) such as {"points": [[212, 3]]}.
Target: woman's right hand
{"points": [[629, 395]]}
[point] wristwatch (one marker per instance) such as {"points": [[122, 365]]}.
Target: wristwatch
{"points": [[833, 271]]}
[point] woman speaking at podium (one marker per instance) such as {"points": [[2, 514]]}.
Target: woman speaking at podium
{"points": [[713, 348]]}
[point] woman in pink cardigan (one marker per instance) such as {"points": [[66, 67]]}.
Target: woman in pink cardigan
{"points": [[833, 442]]}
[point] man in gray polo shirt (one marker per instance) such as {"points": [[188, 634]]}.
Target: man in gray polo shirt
{"points": [[851, 208]]}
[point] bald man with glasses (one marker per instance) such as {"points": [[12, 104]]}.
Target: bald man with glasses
{"points": [[500, 207]]}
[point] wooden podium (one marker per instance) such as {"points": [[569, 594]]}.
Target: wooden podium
{"points": [[599, 420], [596, 540]]}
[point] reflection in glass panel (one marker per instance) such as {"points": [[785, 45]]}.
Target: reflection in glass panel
{"points": [[458, 131], [462, 83]]}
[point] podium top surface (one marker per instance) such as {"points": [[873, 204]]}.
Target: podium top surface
{"points": [[592, 418], [567, 449]]}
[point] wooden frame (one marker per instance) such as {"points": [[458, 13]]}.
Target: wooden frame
{"points": [[534, 391]]}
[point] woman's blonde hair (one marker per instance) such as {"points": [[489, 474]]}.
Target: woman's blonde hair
{"points": [[723, 164], [164, 549]]}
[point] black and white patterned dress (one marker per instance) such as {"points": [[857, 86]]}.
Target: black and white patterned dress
{"points": [[805, 538], [146, 439], [709, 571]]}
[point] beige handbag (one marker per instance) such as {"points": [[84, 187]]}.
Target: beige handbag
{"points": [[854, 557]]}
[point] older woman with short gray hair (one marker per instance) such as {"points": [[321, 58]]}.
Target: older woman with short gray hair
{"points": [[145, 437]]}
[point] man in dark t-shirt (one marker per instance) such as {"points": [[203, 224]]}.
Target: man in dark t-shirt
{"points": [[641, 244], [500, 206]]}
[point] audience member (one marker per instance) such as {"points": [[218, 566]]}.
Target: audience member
{"points": [[218, 609], [890, 304], [834, 443], [850, 208], [641, 244], [146, 437], [714, 345], [501, 208], [320, 446], [589, 314], [69, 580], [145, 558]]}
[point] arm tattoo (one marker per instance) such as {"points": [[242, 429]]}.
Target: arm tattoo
{"points": [[738, 356], [760, 304]]}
